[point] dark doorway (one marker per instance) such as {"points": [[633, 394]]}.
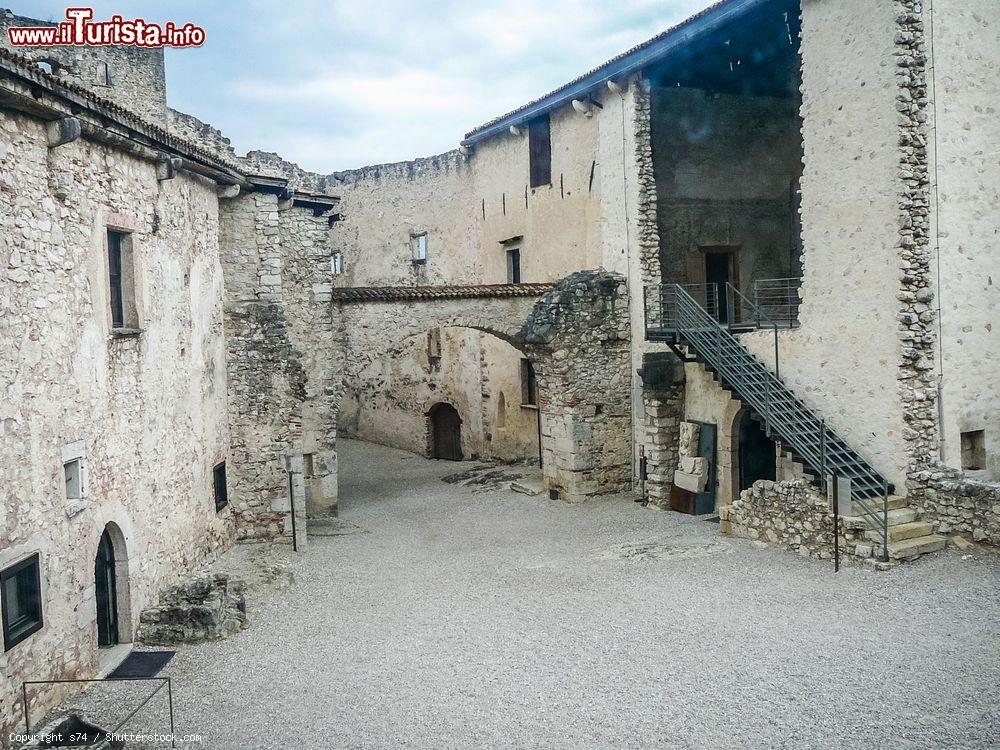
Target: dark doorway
{"points": [[446, 432], [757, 453], [719, 271], [107, 593]]}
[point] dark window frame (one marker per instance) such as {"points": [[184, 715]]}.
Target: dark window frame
{"points": [[220, 489], [529, 384], [514, 265], [116, 240], [26, 626], [540, 151]]}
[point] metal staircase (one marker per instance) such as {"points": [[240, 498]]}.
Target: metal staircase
{"points": [[704, 328]]}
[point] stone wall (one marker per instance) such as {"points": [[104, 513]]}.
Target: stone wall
{"points": [[145, 409], [578, 337], [284, 375], [794, 516], [958, 504], [136, 74], [962, 37], [204, 607]]}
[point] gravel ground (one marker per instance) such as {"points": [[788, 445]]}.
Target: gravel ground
{"points": [[461, 618]]}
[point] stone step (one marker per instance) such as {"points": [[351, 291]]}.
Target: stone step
{"points": [[903, 531], [908, 549], [897, 517]]}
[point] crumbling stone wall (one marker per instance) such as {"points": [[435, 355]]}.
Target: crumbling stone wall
{"points": [[137, 75], [578, 336], [792, 515], [957, 504], [204, 607], [283, 365]]}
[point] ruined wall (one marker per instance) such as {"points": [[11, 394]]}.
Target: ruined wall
{"points": [[578, 337], [966, 91], [132, 77], [283, 366], [150, 434], [725, 171]]}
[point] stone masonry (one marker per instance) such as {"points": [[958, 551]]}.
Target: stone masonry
{"points": [[205, 607]]}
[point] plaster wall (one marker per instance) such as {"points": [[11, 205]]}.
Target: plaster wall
{"points": [[149, 433], [843, 360], [966, 56]]}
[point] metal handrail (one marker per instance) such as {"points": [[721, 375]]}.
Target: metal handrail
{"points": [[780, 297], [783, 413]]}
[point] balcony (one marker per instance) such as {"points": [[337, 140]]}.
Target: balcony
{"points": [[773, 305]]}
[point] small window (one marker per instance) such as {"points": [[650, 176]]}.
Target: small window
{"points": [[103, 74], [529, 388], [21, 601], [973, 450], [540, 151], [338, 263], [418, 243], [514, 266], [73, 473], [46, 66], [434, 345], [221, 492], [121, 281]]}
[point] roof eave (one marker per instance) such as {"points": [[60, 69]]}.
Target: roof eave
{"points": [[700, 25]]}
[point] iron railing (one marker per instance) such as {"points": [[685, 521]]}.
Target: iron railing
{"points": [[784, 416], [778, 299]]}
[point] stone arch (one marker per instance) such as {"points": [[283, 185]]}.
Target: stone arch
{"points": [[576, 334]]}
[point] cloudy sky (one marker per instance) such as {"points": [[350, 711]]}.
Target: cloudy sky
{"points": [[333, 85]]}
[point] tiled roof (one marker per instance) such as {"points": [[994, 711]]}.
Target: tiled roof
{"points": [[610, 63], [26, 69], [405, 293]]}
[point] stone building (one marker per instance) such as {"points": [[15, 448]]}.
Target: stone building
{"points": [[747, 256]]}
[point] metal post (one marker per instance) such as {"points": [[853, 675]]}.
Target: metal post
{"points": [[777, 365], [836, 525], [24, 698], [885, 521], [170, 699], [822, 455], [767, 405]]}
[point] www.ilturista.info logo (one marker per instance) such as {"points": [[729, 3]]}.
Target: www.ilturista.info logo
{"points": [[80, 31]]}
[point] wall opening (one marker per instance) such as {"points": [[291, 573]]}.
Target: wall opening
{"points": [[111, 589], [445, 427], [974, 450], [757, 452]]}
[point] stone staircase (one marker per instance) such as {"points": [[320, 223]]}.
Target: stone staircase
{"points": [[909, 538]]}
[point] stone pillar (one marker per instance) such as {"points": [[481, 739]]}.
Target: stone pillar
{"points": [[321, 485], [662, 376], [578, 339]]}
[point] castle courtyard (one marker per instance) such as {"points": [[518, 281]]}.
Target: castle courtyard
{"points": [[464, 615]]}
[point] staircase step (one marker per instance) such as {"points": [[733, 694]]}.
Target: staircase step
{"points": [[909, 549], [897, 517], [903, 531]]}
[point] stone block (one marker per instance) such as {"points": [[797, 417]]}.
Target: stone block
{"points": [[690, 482], [694, 465]]}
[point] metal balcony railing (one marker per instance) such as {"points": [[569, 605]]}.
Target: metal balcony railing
{"points": [[778, 299], [674, 315]]}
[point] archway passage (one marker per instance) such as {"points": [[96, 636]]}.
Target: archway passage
{"points": [[106, 583], [757, 453], [446, 432]]}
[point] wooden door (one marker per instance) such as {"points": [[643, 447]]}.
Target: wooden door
{"points": [[106, 588], [446, 432]]}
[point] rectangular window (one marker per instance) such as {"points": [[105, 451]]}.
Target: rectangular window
{"points": [[121, 281], [21, 601], [529, 389], [539, 151], [221, 492], [338, 263], [974, 450], [73, 472], [514, 266], [418, 243], [434, 345]]}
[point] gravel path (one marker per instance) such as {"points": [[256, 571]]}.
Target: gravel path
{"points": [[461, 617]]}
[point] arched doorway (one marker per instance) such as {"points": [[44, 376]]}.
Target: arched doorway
{"points": [[106, 587], [111, 589], [756, 452], [446, 432]]}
